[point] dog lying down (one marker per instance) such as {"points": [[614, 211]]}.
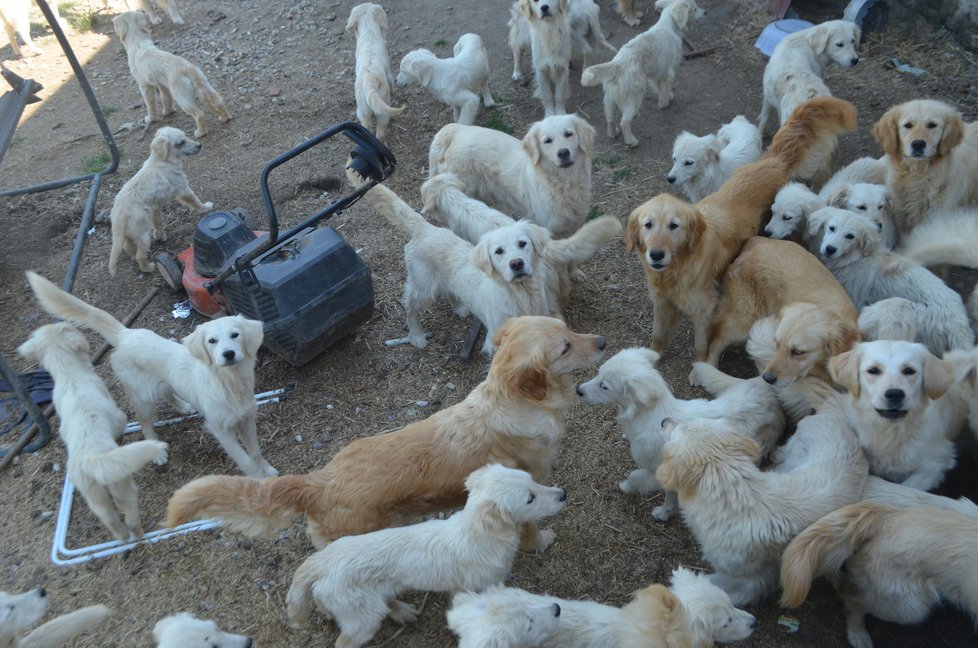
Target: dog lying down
{"points": [[356, 579], [18, 612], [630, 380], [184, 630], [700, 165], [691, 612]]}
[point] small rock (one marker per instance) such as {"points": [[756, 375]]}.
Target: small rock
{"points": [[274, 91], [47, 515], [421, 403], [450, 386], [298, 438], [56, 468]]}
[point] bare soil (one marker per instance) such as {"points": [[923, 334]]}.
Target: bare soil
{"points": [[286, 71]]}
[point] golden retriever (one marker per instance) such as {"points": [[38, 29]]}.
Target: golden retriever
{"points": [[18, 612], [368, 22], [545, 177], [893, 563], [212, 371], [91, 424], [146, 6], [626, 9], [356, 580], [135, 214], [173, 77], [515, 417], [932, 156], [686, 248], [546, 25], [184, 630], [647, 61], [815, 317], [691, 612], [458, 81], [907, 407]]}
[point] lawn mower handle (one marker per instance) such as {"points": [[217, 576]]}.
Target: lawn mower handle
{"points": [[369, 158]]}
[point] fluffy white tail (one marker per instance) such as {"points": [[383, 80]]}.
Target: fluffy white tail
{"points": [[68, 307], [56, 632], [115, 465]]}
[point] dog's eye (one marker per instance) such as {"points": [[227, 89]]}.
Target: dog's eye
{"points": [[522, 244], [908, 125], [688, 163], [567, 347], [874, 371], [603, 386], [839, 44], [548, 140], [533, 496], [498, 250], [796, 353], [861, 207], [648, 224], [673, 226], [234, 336], [180, 143], [908, 371], [211, 340], [568, 134], [787, 217], [831, 228], [931, 125], [850, 236]]}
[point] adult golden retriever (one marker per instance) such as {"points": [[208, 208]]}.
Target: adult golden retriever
{"points": [[368, 22], [933, 154], [685, 248], [515, 417]]}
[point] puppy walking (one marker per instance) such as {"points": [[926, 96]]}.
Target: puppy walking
{"points": [[368, 22], [549, 27]]}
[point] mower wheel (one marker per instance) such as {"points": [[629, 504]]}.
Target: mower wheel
{"points": [[169, 268]]}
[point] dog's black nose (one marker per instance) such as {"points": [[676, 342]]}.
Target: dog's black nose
{"points": [[556, 610], [544, 9], [657, 255], [563, 154], [769, 378], [601, 343], [516, 264], [753, 622], [42, 592], [248, 644], [671, 179], [854, 60], [894, 394], [563, 495], [766, 233], [918, 146], [580, 392], [229, 354], [830, 250]]}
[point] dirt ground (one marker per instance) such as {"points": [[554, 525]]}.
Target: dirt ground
{"points": [[286, 71]]}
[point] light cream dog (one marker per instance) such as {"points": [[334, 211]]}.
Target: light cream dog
{"points": [[91, 425], [173, 77], [135, 215], [545, 177], [147, 7], [356, 579], [184, 630], [547, 26], [649, 60], [700, 165], [458, 81], [212, 371], [368, 22], [18, 612], [16, 19]]}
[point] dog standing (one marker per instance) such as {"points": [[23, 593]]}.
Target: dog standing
{"points": [[16, 18], [18, 612], [173, 77], [368, 22], [549, 27], [135, 214]]}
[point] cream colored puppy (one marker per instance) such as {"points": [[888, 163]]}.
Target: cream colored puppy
{"points": [[700, 165], [18, 612], [184, 630], [212, 371], [356, 579], [893, 318], [91, 425], [368, 22], [649, 60], [173, 77], [135, 214], [147, 7], [16, 19], [546, 24], [458, 81], [907, 408]]}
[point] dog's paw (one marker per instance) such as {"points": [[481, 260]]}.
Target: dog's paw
{"points": [[859, 638], [162, 457], [577, 275], [631, 142], [136, 532], [461, 311], [401, 612], [545, 538], [694, 378], [268, 471], [662, 513], [517, 76], [207, 206], [625, 486]]}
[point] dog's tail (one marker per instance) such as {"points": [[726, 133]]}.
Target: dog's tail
{"points": [[582, 244], [713, 380], [810, 123], [379, 106], [945, 237], [600, 73], [68, 307], [298, 600], [57, 632], [825, 546], [254, 507], [397, 212], [115, 465], [118, 242], [443, 194]]}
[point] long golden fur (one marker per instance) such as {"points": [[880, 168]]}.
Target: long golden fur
{"points": [[686, 248], [514, 417], [932, 154]]}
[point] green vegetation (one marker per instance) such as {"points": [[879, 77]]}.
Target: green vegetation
{"points": [[441, 42], [593, 213], [497, 121], [84, 21], [108, 110], [99, 162]]}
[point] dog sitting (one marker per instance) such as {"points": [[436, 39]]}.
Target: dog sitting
{"points": [[907, 407], [894, 563], [546, 26], [368, 22], [700, 165], [649, 60], [629, 380], [18, 612], [458, 82], [212, 371], [356, 579], [741, 517], [184, 630], [173, 77], [135, 214], [691, 612], [515, 415], [91, 424]]}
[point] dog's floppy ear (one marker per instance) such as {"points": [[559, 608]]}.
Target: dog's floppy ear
{"points": [[938, 376], [839, 197], [421, 69], [585, 136], [253, 333], [524, 6], [121, 25], [886, 133], [844, 369], [868, 236], [819, 39], [539, 236], [695, 227], [354, 20], [480, 257], [680, 14], [531, 144], [196, 344], [633, 238], [674, 474], [952, 135], [841, 337], [381, 17], [524, 374], [159, 148]]}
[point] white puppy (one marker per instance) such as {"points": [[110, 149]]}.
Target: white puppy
{"points": [[850, 248], [893, 318], [91, 424], [18, 612], [701, 164], [872, 202], [741, 517], [649, 60], [356, 579], [907, 408], [547, 24], [146, 6], [368, 22], [16, 18], [629, 380], [794, 75], [545, 177], [691, 612], [458, 81], [212, 371], [184, 630], [135, 214], [173, 77], [946, 237]]}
